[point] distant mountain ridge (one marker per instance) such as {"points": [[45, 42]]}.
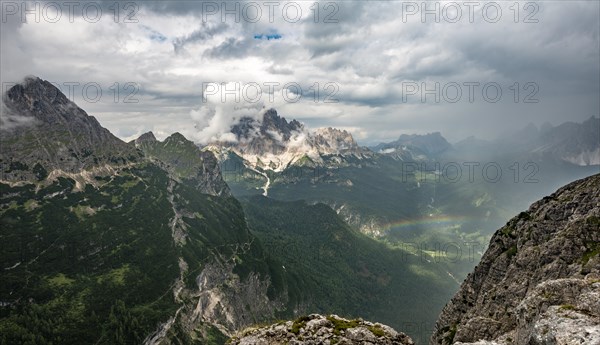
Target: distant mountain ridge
{"points": [[571, 142], [273, 143], [414, 146], [577, 143]]}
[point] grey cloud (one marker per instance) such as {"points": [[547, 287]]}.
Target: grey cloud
{"points": [[278, 69], [231, 48], [164, 7], [245, 46], [369, 52], [14, 58], [205, 32]]}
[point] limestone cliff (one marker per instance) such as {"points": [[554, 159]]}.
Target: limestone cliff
{"points": [[539, 280]]}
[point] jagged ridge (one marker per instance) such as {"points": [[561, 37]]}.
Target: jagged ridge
{"points": [[273, 143]]}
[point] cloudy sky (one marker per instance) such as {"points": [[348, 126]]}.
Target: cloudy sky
{"points": [[374, 68]]}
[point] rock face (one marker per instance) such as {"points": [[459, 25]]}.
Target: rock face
{"points": [[333, 140], [539, 280], [318, 329], [43, 131]]}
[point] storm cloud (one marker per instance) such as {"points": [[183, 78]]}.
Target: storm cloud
{"points": [[368, 56]]}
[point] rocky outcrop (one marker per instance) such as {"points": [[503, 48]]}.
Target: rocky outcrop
{"points": [[539, 280], [43, 131], [319, 329]]}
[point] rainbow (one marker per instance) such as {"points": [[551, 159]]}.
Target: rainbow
{"points": [[441, 220]]}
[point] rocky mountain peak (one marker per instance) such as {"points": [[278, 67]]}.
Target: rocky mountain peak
{"points": [[146, 137], [320, 329], [271, 125], [431, 143], [335, 139], [414, 146], [177, 138], [271, 120], [33, 94], [539, 280], [276, 143], [49, 133], [577, 143]]}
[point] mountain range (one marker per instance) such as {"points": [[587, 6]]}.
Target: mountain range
{"points": [[275, 144], [272, 143], [370, 188], [162, 242], [110, 242]]}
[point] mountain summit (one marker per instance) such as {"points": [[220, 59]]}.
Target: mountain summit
{"points": [[273, 143], [44, 132]]}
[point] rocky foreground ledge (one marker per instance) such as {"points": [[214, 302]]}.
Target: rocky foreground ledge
{"points": [[319, 329]]}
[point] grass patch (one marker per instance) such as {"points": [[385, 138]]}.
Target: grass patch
{"points": [[524, 215], [60, 280], [377, 330], [116, 276], [593, 249], [299, 323], [593, 220], [340, 325], [567, 307], [512, 251], [451, 333], [508, 232]]}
